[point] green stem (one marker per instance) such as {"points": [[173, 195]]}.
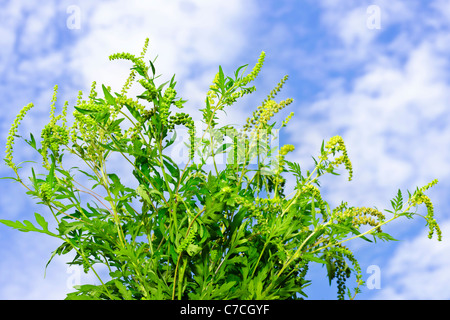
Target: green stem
{"points": [[293, 257], [299, 191], [181, 253]]}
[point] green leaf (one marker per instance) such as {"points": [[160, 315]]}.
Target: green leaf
{"points": [[126, 294], [27, 226], [397, 202], [32, 141], [172, 82], [172, 140], [41, 221], [236, 73], [311, 257], [221, 77], [140, 71], [65, 227], [331, 269], [152, 66], [109, 98], [383, 236], [193, 249], [173, 169], [313, 213], [133, 112], [85, 111], [108, 146], [162, 86]]}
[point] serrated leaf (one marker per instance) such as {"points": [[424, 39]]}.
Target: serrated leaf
{"points": [[27, 226], [126, 294], [383, 236]]}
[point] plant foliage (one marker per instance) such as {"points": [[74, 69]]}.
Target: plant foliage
{"points": [[186, 231]]}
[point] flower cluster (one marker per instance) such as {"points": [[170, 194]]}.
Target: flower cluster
{"points": [[315, 193], [121, 101], [255, 71], [46, 192], [12, 133], [284, 150], [128, 56], [238, 94], [124, 100], [212, 94], [186, 120], [84, 123], [420, 198], [93, 92], [151, 89], [336, 144], [138, 61], [54, 135], [128, 83], [264, 205], [286, 121], [277, 89], [358, 216], [187, 241], [165, 103], [342, 271], [265, 112]]}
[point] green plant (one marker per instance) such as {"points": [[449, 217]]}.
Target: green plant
{"points": [[185, 232]]}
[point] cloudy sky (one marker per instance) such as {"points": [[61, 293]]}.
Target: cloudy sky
{"points": [[374, 72]]}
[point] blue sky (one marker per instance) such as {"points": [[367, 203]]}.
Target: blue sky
{"points": [[384, 90]]}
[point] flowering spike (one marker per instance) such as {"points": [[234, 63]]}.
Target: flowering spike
{"points": [[12, 133]]}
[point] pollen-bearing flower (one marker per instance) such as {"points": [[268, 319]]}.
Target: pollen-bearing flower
{"points": [[420, 198], [256, 69], [12, 133], [284, 150], [336, 144], [53, 135]]}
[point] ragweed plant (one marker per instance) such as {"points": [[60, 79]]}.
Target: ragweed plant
{"points": [[186, 231]]}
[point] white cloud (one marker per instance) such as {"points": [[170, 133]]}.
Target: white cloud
{"points": [[442, 8], [393, 115], [392, 118], [186, 35], [418, 269], [25, 277]]}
